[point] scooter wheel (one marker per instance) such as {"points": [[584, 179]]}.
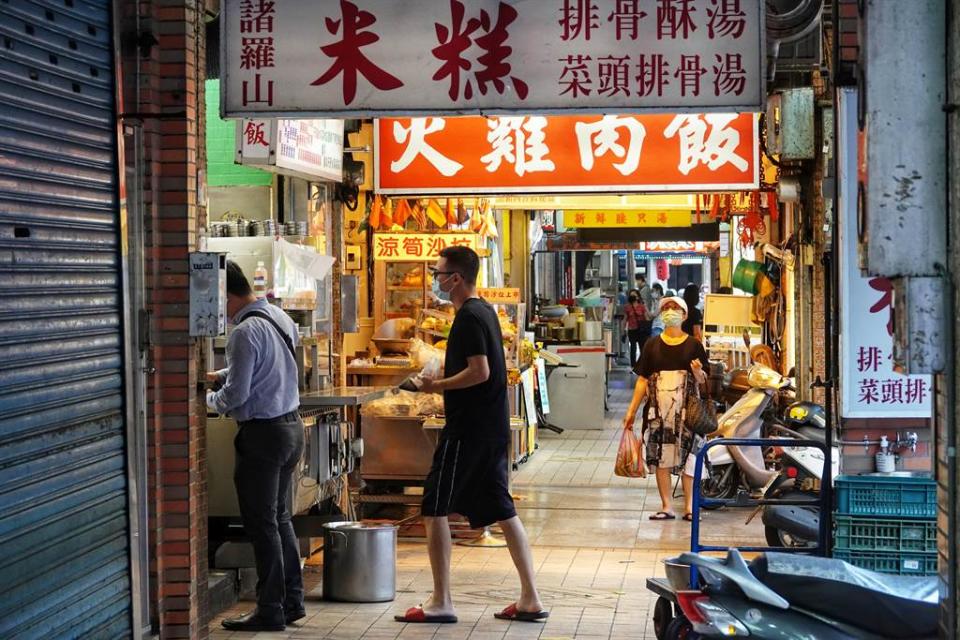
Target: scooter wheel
{"points": [[662, 617], [680, 629]]}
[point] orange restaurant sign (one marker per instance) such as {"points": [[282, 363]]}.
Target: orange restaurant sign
{"points": [[544, 154], [418, 247]]}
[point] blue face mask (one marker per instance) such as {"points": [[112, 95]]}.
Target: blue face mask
{"points": [[437, 291]]}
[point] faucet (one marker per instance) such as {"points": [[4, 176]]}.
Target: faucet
{"points": [[909, 442]]}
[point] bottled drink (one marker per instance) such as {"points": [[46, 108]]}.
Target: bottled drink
{"points": [[260, 280]]}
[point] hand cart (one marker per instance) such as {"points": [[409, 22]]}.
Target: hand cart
{"points": [[666, 608]]}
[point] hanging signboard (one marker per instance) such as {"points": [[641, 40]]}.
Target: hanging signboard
{"points": [[647, 153], [870, 386], [309, 149], [591, 219], [678, 248], [418, 247], [383, 57], [631, 202], [500, 295]]}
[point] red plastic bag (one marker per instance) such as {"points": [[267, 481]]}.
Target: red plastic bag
{"points": [[630, 462]]}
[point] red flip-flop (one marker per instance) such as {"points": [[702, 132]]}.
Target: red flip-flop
{"points": [[513, 613], [416, 615]]}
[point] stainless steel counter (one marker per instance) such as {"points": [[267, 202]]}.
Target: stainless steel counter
{"points": [[342, 396]]}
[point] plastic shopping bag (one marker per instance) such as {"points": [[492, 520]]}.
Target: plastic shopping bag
{"points": [[630, 462]]}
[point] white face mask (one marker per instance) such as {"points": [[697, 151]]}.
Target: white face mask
{"points": [[672, 318]]}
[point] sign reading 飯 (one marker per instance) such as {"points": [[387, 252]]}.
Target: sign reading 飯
{"points": [[385, 57], [586, 153]]}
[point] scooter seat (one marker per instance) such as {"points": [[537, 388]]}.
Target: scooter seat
{"points": [[886, 605]]}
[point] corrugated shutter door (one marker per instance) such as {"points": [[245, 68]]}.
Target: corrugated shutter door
{"points": [[64, 562]]}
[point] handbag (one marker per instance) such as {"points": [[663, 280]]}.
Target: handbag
{"points": [[699, 411]]}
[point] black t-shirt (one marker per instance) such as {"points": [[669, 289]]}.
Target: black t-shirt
{"points": [[480, 412], [659, 356], [694, 317]]}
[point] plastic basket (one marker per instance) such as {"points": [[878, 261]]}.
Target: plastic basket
{"points": [[882, 534], [890, 497], [904, 564]]}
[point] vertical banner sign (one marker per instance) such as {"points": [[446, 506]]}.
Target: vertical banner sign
{"points": [[386, 57], [870, 388], [663, 152]]}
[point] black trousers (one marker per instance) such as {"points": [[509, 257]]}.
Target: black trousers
{"points": [[268, 451], [637, 337]]}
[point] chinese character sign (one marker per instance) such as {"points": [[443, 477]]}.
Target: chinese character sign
{"points": [[500, 154], [500, 295], [600, 219], [383, 57], [869, 385], [418, 247]]}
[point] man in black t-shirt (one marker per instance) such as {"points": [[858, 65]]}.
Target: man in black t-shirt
{"points": [[470, 471]]}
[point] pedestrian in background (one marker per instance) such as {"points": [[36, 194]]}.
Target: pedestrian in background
{"points": [[638, 326]]}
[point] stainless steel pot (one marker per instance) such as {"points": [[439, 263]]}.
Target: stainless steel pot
{"points": [[359, 562]]}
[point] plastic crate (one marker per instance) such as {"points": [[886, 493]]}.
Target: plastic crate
{"points": [[889, 497], [904, 564], [885, 534]]}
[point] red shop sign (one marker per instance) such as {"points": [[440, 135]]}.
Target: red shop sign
{"points": [[543, 154]]}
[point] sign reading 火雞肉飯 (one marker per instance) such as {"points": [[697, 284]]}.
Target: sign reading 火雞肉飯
{"points": [[586, 153], [304, 58]]}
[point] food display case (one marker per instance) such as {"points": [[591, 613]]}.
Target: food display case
{"points": [[400, 290]]}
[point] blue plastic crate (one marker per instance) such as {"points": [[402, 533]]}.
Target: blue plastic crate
{"points": [[904, 564], [884, 534], [889, 497]]}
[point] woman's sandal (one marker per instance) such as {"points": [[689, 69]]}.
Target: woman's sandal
{"points": [[663, 515]]}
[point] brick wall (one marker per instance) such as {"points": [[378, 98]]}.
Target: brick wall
{"points": [[164, 100]]}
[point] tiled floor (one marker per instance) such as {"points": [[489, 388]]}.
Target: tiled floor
{"points": [[594, 548]]}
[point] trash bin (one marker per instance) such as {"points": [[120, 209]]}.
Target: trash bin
{"points": [[359, 562]]}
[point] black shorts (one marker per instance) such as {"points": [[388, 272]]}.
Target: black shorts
{"points": [[469, 477]]}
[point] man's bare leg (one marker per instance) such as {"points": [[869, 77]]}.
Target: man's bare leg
{"points": [[665, 490], [439, 549], [519, 547]]}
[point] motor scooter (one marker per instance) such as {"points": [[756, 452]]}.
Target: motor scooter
{"points": [[788, 595], [730, 468], [801, 471]]}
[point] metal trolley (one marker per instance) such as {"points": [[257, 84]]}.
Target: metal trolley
{"points": [[666, 608]]}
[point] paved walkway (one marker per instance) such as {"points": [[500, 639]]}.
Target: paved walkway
{"points": [[594, 548]]}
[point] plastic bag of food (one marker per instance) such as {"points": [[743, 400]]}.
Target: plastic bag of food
{"points": [[429, 404], [396, 329], [630, 462], [399, 404], [428, 358]]}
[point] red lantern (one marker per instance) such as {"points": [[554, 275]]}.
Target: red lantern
{"points": [[663, 270]]}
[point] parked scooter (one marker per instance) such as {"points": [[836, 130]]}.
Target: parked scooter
{"points": [[729, 469], [787, 595], [801, 470]]}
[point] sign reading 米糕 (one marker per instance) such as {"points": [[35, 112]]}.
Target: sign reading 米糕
{"points": [[382, 57]]}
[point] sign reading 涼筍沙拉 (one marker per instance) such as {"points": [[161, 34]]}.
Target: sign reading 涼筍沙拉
{"points": [[385, 57], [584, 153]]}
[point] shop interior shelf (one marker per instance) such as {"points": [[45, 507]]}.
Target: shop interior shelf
{"points": [[905, 564], [885, 534], [892, 497]]}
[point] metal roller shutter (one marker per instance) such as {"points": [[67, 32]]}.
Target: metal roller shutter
{"points": [[64, 541]]}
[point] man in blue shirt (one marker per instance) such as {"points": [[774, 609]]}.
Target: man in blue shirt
{"points": [[259, 389]]}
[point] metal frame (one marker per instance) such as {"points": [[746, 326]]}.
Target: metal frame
{"points": [[824, 501]]}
